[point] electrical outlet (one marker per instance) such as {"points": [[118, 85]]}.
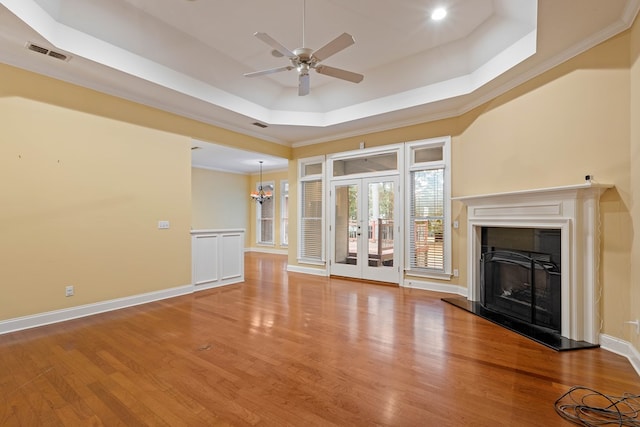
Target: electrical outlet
{"points": [[68, 291], [456, 273]]}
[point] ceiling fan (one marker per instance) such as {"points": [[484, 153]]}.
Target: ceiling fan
{"points": [[304, 59]]}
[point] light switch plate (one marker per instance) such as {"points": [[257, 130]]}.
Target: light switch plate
{"points": [[163, 225]]}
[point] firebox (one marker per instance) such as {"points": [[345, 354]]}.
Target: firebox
{"points": [[520, 274]]}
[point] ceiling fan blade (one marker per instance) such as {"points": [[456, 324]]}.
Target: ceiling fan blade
{"points": [[303, 85], [269, 71], [334, 46], [274, 44], [339, 73]]}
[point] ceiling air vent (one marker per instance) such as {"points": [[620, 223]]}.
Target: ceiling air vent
{"points": [[260, 125], [52, 53], [57, 55], [37, 48]]}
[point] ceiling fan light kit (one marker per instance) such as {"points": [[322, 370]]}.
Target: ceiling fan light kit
{"points": [[304, 59]]}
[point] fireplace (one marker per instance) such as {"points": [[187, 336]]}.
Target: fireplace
{"points": [[532, 257], [520, 274]]}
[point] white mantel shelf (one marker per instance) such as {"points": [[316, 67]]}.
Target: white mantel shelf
{"points": [[572, 209], [481, 198]]}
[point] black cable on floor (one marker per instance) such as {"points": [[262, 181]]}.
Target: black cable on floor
{"points": [[590, 408]]}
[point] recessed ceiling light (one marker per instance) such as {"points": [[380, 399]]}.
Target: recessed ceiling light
{"points": [[439, 14]]}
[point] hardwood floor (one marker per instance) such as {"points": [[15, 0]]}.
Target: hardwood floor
{"points": [[292, 349]]}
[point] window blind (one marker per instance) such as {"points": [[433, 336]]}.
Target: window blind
{"points": [[284, 213], [426, 219], [311, 220]]}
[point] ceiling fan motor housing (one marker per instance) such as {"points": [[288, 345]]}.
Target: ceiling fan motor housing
{"points": [[303, 53]]}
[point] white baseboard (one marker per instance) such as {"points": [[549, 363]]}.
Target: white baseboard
{"points": [[205, 286], [623, 348], [47, 318], [434, 286], [268, 250], [307, 270]]}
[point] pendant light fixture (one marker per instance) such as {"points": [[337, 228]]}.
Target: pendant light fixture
{"points": [[260, 195]]}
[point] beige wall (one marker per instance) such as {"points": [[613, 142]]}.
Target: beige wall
{"points": [[276, 178], [81, 199], [634, 155], [571, 121], [220, 200], [292, 176], [85, 179], [552, 131]]}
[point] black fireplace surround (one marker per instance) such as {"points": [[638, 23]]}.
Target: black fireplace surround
{"points": [[520, 284]]}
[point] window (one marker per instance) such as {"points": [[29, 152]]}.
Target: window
{"points": [[427, 218], [311, 226], [365, 164], [429, 237], [265, 217], [284, 213]]}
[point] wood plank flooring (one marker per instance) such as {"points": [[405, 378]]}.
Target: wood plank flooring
{"points": [[290, 349]]}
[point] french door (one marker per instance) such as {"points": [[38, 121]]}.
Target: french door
{"points": [[364, 229]]}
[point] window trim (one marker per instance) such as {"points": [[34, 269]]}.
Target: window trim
{"points": [[366, 152], [411, 166]]}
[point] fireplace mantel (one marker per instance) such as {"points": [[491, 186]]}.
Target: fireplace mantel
{"points": [[565, 191], [574, 210]]}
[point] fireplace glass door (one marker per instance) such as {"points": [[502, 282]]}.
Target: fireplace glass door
{"points": [[518, 285], [520, 275]]}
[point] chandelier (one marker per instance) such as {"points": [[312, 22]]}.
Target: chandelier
{"points": [[260, 195]]}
